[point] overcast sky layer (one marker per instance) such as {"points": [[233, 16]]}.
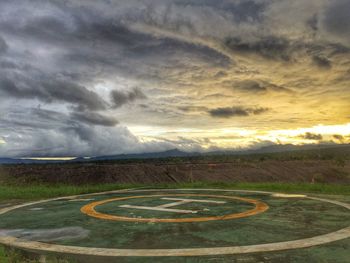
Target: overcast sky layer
{"points": [[87, 78]]}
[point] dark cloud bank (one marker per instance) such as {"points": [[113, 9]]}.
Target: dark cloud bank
{"points": [[229, 112]]}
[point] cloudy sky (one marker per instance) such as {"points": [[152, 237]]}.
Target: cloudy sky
{"points": [[106, 77]]}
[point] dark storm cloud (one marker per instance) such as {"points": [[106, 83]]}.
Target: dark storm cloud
{"points": [[69, 24], [311, 136], [313, 23], [258, 111], [254, 86], [60, 50], [49, 119], [337, 19], [40, 132], [246, 11], [74, 119], [3, 45], [93, 41], [250, 85], [229, 112], [50, 90], [270, 47], [322, 62], [42, 118], [120, 98], [242, 11], [94, 118], [285, 50]]}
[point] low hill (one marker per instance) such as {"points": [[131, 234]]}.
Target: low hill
{"points": [[315, 151]]}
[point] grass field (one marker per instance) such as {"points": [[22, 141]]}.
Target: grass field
{"points": [[33, 192]]}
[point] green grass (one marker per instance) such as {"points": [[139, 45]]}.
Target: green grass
{"points": [[33, 192], [274, 187], [2, 255], [11, 255]]}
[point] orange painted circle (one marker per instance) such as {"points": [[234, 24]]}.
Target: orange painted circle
{"points": [[89, 209]]}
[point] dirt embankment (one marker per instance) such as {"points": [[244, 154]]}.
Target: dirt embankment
{"points": [[149, 173]]}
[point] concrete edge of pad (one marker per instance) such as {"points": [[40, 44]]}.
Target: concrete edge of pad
{"points": [[108, 252]]}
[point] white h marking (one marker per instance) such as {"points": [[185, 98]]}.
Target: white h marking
{"points": [[180, 201]]}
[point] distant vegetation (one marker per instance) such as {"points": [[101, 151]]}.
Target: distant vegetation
{"points": [[339, 153], [316, 165]]}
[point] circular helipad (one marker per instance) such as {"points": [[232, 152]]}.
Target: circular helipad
{"points": [[259, 207], [174, 222]]}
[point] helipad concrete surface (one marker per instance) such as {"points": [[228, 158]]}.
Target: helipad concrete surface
{"points": [[183, 223]]}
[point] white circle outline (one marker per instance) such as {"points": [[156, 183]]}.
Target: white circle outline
{"points": [[114, 252]]}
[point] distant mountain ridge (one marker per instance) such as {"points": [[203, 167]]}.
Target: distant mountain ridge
{"points": [[177, 153]]}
